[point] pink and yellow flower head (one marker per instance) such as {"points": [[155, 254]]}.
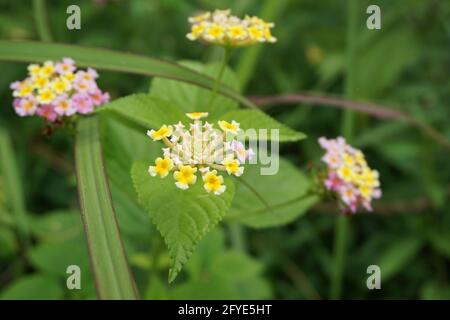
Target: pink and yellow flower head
{"points": [[349, 175], [221, 28], [57, 90], [199, 148]]}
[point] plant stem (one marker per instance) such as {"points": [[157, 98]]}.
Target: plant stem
{"points": [[42, 24], [237, 236], [342, 223], [225, 58]]}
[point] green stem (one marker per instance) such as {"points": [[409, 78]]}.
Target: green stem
{"points": [[42, 24], [342, 223], [225, 58], [237, 235], [340, 245]]}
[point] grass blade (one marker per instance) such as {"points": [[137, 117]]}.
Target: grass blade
{"points": [[14, 188], [30, 51], [108, 260]]}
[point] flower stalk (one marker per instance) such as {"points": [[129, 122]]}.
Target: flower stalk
{"points": [[342, 221]]}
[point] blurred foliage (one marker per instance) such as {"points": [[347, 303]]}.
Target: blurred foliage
{"points": [[403, 65]]}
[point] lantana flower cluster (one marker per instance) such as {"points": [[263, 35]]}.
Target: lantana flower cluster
{"points": [[55, 90], [202, 149], [349, 176], [221, 28]]}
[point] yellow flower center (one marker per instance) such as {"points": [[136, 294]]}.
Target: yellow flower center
{"points": [[345, 173], [227, 126], [213, 183], [215, 31], [69, 76], [25, 90], [255, 33], [197, 29], [63, 105], [185, 175], [196, 115], [47, 71], [28, 105], [236, 32]]}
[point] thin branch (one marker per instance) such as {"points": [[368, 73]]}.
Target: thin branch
{"points": [[413, 206], [376, 110]]}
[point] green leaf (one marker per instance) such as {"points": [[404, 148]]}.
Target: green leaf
{"points": [[56, 226], [8, 243], [111, 271], [122, 146], [398, 255], [192, 98], [145, 111], [182, 217], [287, 203], [33, 287], [433, 290], [440, 242], [255, 119], [54, 257], [217, 273], [379, 73], [29, 51]]}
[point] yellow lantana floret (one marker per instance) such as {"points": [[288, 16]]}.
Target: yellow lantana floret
{"points": [[185, 176], [232, 167], [213, 183], [24, 90], [40, 82], [215, 32], [231, 127], [346, 173], [197, 31], [197, 115], [34, 70], [46, 96], [68, 76], [237, 32], [60, 86], [370, 177], [162, 167], [163, 132], [47, 70], [366, 191]]}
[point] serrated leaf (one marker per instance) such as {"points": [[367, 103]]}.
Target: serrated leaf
{"points": [[192, 98], [286, 202], [145, 110], [182, 217], [255, 119]]}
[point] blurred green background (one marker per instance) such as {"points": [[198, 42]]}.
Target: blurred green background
{"points": [[404, 65]]}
